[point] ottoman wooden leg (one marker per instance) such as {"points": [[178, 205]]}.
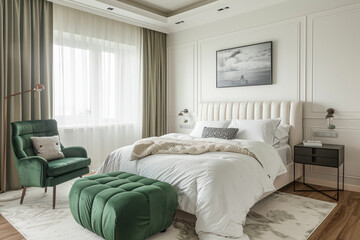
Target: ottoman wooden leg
{"points": [[163, 231], [45, 189], [22, 195]]}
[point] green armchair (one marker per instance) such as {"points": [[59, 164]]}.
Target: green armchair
{"points": [[35, 171]]}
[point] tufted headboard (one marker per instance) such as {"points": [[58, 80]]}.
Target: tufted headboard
{"points": [[289, 113]]}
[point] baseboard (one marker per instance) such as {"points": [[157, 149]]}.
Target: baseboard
{"points": [[331, 184]]}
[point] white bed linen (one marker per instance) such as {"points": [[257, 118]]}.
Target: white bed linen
{"points": [[219, 188], [285, 153]]}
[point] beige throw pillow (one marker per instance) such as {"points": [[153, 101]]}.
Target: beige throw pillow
{"points": [[47, 147]]}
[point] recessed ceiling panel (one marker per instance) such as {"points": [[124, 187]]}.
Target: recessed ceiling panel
{"points": [[169, 7]]}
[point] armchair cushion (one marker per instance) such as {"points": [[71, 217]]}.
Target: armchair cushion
{"points": [[66, 165]]}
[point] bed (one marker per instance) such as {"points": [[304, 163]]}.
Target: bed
{"points": [[221, 188]]}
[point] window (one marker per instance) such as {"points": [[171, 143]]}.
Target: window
{"points": [[94, 85]]}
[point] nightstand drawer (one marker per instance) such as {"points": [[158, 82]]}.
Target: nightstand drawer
{"points": [[304, 159], [303, 151], [327, 153], [321, 161], [328, 162]]}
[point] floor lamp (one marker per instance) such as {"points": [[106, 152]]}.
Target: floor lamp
{"points": [[37, 88]]}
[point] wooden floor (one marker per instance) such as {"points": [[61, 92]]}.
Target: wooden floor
{"points": [[343, 222], [7, 231]]}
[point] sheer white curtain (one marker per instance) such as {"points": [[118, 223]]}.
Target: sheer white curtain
{"points": [[97, 87]]}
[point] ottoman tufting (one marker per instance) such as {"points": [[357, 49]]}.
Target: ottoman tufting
{"points": [[121, 205]]}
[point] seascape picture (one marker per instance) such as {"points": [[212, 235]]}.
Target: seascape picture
{"points": [[244, 66]]}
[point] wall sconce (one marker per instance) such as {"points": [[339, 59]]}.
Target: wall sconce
{"points": [[184, 113], [329, 116]]}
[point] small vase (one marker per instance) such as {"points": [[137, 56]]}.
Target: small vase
{"points": [[330, 125]]}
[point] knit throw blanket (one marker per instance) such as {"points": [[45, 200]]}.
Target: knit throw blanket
{"points": [[161, 145]]}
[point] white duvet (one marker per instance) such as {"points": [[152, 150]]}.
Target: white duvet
{"points": [[219, 188]]}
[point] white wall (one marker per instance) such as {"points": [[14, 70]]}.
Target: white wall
{"points": [[316, 59]]}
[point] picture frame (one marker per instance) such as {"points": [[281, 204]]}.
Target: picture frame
{"points": [[248, 65]]}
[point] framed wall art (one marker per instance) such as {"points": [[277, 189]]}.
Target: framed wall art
{"points": [[244, 66]]}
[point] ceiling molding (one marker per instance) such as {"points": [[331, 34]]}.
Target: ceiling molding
{"points": [[190, 16]]}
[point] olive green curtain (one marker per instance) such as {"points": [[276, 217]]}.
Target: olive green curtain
{"points": [[154, 83], [26, 35]]}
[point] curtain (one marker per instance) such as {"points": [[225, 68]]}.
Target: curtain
{"points": [[25, 60], [97, 87], [154, 83]]}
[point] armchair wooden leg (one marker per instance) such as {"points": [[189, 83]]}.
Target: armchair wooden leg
{"points": [[22, 195], [45, 189], [81, 176], [54, 196]]}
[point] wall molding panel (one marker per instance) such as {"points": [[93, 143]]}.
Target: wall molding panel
{"points": [[322, 26], [182, 82]]}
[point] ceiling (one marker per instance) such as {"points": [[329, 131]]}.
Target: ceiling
{"points": [[168, 16], [167, 8]]}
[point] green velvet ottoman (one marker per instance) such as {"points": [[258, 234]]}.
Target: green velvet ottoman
{"points": [[121, 205]]}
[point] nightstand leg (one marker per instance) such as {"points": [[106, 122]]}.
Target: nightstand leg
{"points": [[294, 176], [303, 173], [338, 176], [343, 186]]}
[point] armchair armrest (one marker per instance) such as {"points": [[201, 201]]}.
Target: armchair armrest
{"points": [[33, 171], [74, 152]]}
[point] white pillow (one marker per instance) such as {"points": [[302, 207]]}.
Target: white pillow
{"points": [[257, 130], [47, 147], [282, 134], [199, 126]]}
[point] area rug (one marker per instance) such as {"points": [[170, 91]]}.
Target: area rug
{"points": [[278, 216]]}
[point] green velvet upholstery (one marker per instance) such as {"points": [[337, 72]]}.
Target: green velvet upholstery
{"points": [[32, 171], [35, 171], [66, 165], [122, 206], [74, 152], [53, 181]]}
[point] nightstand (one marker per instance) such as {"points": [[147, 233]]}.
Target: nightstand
{"points": [[329, 155]]}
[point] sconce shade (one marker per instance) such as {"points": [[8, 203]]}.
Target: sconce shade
{"points": [[181, 113], [330, 113]]}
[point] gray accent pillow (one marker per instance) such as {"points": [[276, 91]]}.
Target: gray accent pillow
{"points": [[223, 133], [47, 147]]}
